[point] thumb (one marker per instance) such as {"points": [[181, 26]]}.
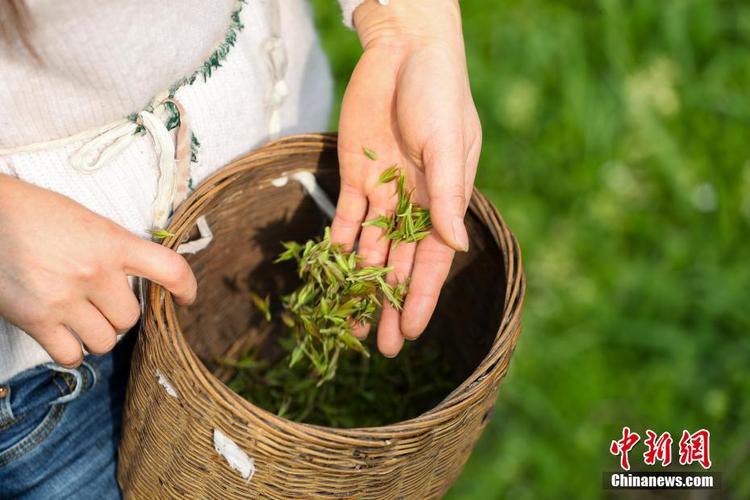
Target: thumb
{"points": [[444, 171], [163, 266]]}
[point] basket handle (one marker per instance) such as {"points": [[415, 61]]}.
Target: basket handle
{"points": [[304, 177]]}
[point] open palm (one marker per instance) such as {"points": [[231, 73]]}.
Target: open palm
{"points": [[412, 106]]}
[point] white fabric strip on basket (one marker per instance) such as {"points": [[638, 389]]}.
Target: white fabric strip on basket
{"points": [[311, 187], [234, 455], [206, 236], [166, 384], [305, 178]]}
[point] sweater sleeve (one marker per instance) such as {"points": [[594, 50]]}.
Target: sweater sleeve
{"points": [[348, 7]]}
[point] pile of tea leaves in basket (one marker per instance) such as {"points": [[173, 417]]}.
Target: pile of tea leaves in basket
{"points": [[325, 374]]}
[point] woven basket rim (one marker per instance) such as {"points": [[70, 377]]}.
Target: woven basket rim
{"points": [[161, 312]]}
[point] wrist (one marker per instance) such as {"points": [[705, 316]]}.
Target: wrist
{"points": [[407, 23]]}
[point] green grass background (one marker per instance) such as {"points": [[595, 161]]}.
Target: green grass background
{"points": [[617, 147]]}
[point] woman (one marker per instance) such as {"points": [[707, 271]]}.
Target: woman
{"points": [[111, 111]]}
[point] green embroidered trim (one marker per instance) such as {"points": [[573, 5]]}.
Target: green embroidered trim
{"points": [[194, 145], [211, 64], [174, 115], [133, 117], [174, 122], [214, 60], [206, 70]]}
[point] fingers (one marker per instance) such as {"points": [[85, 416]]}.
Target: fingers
{"points": [[373, 245], [373, 248], [431, 266], [445, 161], [118, 304], [62, 346], [473, 145], [163, 266], [361, 330], [390, 338], [92, 328], [350, 212]]}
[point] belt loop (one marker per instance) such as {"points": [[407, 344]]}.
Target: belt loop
{"points": [[78, 381], [94, 373], [6, 410]]}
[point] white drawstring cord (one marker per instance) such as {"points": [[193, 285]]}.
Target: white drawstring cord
{"points": [[276, 58], [105, 146], [86, 135], [165, 153]]}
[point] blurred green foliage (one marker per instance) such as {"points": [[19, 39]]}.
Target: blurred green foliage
{"points": [[617, 147]]}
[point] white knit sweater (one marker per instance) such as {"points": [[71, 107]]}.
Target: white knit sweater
{"points": [[102, 61]]}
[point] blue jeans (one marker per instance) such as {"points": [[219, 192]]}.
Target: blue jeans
{"points": [[60, 428]]}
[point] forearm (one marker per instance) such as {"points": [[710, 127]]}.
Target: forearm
{"points": [[8, 185]]}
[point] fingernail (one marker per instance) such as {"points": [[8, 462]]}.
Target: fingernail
{"points": [[460, 235], [72, 366]]}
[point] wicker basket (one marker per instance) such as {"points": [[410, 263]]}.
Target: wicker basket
{"points": [[187, 435]]}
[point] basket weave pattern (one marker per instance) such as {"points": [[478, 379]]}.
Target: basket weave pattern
{"points": [[167, 449]]}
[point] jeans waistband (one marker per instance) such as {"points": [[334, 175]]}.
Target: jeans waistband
{"points": [[80, 381], [66, 387]]}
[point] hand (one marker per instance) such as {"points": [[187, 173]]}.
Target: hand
{"points": [[409, 101], [64, 272]]}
